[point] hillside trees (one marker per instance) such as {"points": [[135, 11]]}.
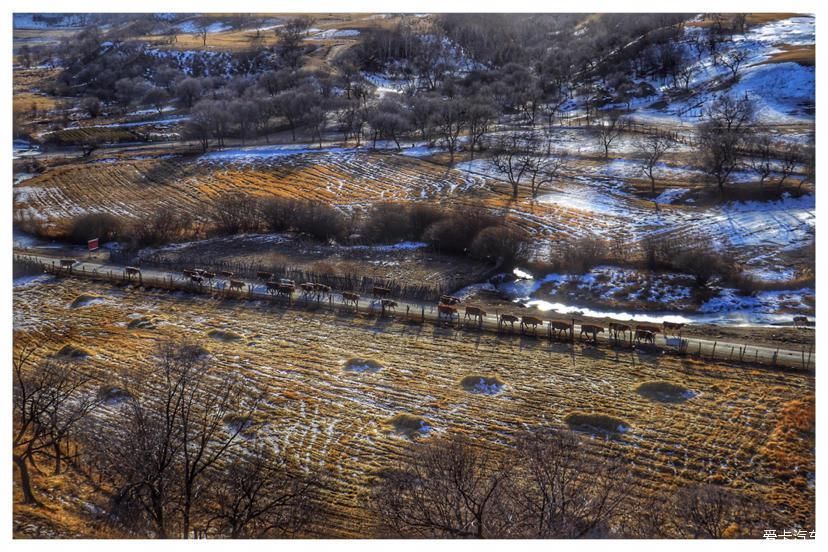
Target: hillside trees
{"points": [[722, 134]]}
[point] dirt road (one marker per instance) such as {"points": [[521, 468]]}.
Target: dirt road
{"points": [[803, 359]]}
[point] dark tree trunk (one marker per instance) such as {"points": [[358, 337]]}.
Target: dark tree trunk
{"points": [[25, 481]]}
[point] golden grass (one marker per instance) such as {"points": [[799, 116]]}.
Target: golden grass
{"points": [[803, 55], [339, 420]]}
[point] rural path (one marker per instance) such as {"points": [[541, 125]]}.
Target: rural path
{"points": [[414, 310]]}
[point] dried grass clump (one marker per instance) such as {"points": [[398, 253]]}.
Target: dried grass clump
{"points": [[487, 385], [84, 300], [70, 352], [224, 335], [600, 423], [409, 425], [362, 365], [143, 323], [112, 394], [664, 391]]}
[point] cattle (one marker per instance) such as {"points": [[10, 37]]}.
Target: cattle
{"points": [[208, 275], [673, 327], [67, 264], [591, 330], [558, 329], [380, 291], [533, 321], [131, 271], [272, 287], [308, 289], [236, 285], [449, 300], [388, 304], [187, 273], [616, 328], [801, 321], [226, 274], [285, 290], [646, 328], [322, 289], [196, 279], [264, 276], [447, 310], [475, 312], [349, 297], [646, 336], [504, 319]]}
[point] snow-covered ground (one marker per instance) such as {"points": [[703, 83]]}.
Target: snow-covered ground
{"points": [[726, 307], [783, 92]]}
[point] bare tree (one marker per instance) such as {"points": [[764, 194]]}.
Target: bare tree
{"points": [[721, 136], [608, 131], [713, 512], [652, 148], [49, 400], [450, 120], [761, 156], [560, 490], [543, 168], [448, 488], [512, 158], [789, 160], [734, 60], [481, 117], [182, 418], [258, 495]]}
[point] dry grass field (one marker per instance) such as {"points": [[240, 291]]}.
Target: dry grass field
{"points": [[748, 429]]}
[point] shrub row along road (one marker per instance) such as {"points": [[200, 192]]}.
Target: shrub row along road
{"points": [[420, 311]]}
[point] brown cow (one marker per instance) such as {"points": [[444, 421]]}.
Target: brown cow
{"points": [[558, 329], [447, 310], [673, 327], [350, 297], [67, 264], [380, 291], [616, 328], [644, 335], [503, 319], [477, 313], [236, 285], [388, 304], [648, 328], [285, 290], [533, 321], [131, 271], [196, 279], [593, 330]]}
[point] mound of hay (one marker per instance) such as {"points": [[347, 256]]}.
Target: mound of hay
{"points": [[664, 391], [592, 423], [112, 394], [409, 425], [224, 335], [70, 352], [84, 300], [482, 384], [362, 365], [245, 426], [143, 323]]}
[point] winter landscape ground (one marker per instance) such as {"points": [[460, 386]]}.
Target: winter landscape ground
{"points": [[383, 276]]}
